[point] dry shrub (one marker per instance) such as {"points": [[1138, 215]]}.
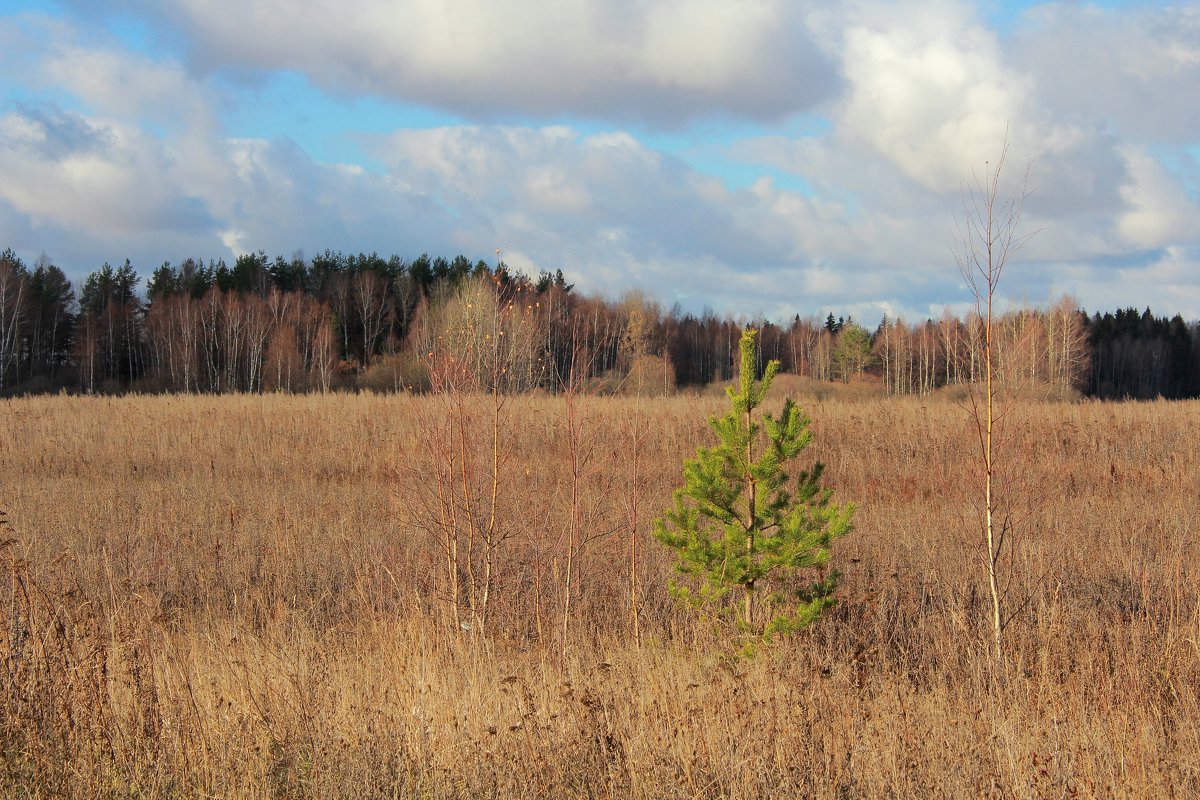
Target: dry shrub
{"points": [[401, 372], [649, 376], [788, 384], [239, 597], [79, 692], [1025, 392]]}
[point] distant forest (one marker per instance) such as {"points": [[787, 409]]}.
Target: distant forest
{"points": [[344, 322]]}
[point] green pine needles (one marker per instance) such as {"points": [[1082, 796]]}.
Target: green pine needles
{"points": [[740, 530]]}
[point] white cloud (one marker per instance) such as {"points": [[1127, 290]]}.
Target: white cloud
{"points": [[1133, 69], [1166, 284], [101, 178], [130, 87], [664, 62], [931, 92], [650, 221], [1158, 211]]}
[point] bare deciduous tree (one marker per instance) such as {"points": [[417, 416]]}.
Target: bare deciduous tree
{"points": [[987, 239], [13, 300]]}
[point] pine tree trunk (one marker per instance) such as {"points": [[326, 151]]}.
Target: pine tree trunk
{"points": [[750, 516]]}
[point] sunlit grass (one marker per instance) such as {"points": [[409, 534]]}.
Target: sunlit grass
{"points": [[242, 597]]}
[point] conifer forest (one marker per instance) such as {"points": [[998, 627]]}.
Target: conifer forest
{"points": [[348, 322]]}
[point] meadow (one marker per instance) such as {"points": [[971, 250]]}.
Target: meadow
{"points": [[248, 596]]}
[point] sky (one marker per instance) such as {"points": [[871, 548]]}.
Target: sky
{"points": [[762, 158]]}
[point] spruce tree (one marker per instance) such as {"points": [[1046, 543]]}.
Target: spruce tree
{"points": [[753, 550]]}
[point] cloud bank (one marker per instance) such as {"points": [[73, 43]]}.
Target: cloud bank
{"points": [[115, 148]]}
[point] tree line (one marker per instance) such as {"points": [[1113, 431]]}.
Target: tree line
{"points": [[362, 321]]}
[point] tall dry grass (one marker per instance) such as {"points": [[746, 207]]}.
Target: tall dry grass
{"points": [[246, 597]]}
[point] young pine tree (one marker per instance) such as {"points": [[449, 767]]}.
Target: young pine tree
{"points": [[740, 530]]}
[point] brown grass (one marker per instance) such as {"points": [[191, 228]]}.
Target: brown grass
{"points": [[244, 597]]}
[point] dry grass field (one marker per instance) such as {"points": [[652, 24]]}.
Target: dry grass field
{"points": [[249, 597]]}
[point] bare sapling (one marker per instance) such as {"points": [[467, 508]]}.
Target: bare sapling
{"points": [[584, 524], [987, 239], [579, 453], [636, 427], [474, 367]]}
